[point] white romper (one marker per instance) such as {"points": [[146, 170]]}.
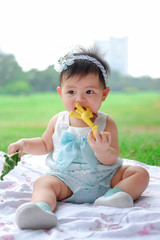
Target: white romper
{"points": [[73, 161]]}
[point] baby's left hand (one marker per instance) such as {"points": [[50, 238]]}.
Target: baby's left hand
{"points": [[100, 144]]}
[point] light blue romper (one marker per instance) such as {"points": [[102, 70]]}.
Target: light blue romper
{"points": [[73, 161]]}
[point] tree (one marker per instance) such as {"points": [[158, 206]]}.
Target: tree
{"points": [[40, 81], [14, 80], [17, 87], [9, 70]]}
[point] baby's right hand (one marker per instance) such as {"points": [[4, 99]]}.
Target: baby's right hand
{"points": [[16, 147]]}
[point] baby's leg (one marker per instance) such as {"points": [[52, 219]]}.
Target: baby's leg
{"points": [[131, 179], [38, 213], [127, 185], [49, 189]]}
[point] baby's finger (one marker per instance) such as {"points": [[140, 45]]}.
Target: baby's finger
{"points": [[20, 153], [12, 149], [97, 135], [104, 137], [90, 137]]}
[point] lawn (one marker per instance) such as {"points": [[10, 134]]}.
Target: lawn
{"points": [[137, 116]]}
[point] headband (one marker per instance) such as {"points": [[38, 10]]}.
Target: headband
{"points": [[68, 60]]}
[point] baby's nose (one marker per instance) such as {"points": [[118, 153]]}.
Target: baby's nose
{"points": [[80, 99]]}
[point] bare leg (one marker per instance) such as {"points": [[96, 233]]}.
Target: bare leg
{"points": [[131, 179], [49, 189]]}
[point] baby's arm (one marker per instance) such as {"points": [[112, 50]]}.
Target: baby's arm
{"points": [[105, 148], [38, 146]]}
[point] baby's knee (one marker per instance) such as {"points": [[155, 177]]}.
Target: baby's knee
{"points": [[142, 175], [53, 184], [47, 181]]}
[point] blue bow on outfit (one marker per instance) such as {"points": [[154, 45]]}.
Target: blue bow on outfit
{"points": [[74, 147]]}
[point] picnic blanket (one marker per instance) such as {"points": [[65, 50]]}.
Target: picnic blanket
{"points": [[79, 221]]}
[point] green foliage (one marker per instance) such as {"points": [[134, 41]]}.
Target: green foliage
{"points": [[17, 87], [9, 70], [46, 81], [11, 74], [9, 164], [119, 82]]}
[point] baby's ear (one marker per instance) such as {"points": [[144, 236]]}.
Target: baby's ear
{"points": [[107, 89], [105, 93], [59, 91]]}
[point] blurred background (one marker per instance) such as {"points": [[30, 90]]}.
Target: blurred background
{"points": [[35, 33]]}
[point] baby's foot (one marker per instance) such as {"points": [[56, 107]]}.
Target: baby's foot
{"points": [[30, 216], [119, 200]]}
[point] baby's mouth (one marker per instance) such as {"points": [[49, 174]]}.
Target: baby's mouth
{"points": [[95, 115]]}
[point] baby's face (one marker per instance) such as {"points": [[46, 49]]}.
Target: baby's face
{"points": [[87, 91]]}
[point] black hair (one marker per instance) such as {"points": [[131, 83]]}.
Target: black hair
{"points": [[82, 67]]}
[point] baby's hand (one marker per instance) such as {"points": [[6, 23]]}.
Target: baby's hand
{"points": [[16, 147], [100, 143]]}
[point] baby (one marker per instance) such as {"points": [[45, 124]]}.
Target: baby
{"points": [[82, 168]]}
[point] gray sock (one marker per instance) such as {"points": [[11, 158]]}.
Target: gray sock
{"points": [[119, 200], [31, 216]]}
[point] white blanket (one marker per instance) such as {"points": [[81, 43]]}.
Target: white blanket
{"points": [[79, 221]]}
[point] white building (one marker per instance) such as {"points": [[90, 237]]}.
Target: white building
{"points": [[115, 51]]}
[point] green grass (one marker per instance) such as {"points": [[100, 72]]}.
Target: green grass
{"points": [[137, 116]]}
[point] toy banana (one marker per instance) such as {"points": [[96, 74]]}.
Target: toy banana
{"points": [[85, 114], [10, 162]]}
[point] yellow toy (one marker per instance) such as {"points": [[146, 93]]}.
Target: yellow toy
{"points": [[85, 114], [10, 162]]}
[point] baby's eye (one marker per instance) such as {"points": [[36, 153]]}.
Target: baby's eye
{"points": [[89, 91], [71, 92]]}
